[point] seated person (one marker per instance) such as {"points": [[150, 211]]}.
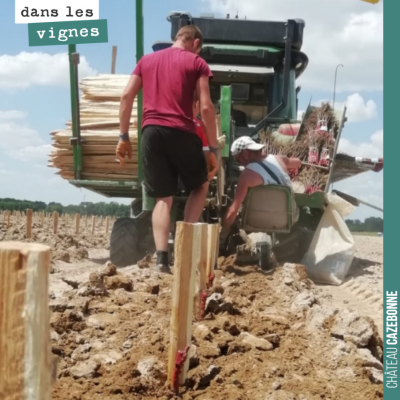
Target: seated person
{"points": [[261, 169]]}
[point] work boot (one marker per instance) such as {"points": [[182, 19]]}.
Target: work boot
{"points": [[163, 269], [162, 264]]}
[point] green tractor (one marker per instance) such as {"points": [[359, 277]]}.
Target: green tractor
{"points": [[255, 66]]}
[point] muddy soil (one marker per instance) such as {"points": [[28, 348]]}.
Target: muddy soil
{"points": [[264, 337], [363, 286], [66, 245]]}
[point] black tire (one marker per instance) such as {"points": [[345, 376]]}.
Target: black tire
{"points": [[124, 243], [292, 247], [265, 258]]}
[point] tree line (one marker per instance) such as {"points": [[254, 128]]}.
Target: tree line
{"points": [[84, 208], [371, 224]]}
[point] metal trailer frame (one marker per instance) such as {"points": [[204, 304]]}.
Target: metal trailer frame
{"points": [[128, 189]]}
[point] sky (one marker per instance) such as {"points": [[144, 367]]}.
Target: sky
{"points": [[34, 83]]}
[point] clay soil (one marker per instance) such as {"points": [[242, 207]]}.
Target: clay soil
{"points": [[66, 245], [264, 337]]}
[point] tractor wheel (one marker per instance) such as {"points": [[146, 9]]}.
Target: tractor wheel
{"points": [[292, 247], [131, 239], [123, 242], [265, 262]]}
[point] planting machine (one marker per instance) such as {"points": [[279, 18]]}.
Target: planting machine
{"points": [[255, 66]]}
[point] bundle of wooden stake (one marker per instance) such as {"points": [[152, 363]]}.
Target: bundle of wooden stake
{"points": [[99, 118], [99, 122]]}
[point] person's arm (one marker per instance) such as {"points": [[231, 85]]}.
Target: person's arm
{"points": [[132, 89], [291, 163], [247, 180], [128, 97], [207, 110]]}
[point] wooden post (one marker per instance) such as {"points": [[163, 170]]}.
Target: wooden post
{"points": [[77, 223], [8, 219], [55, 222], [42, 219], [114, 59], [86, 219], [29, 215], [93, 223], [201, 273], [25, 346], [187, 256], [212, 251], [107, 224]]}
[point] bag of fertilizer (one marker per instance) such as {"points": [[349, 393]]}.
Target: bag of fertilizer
{"points": [[331, 252]]}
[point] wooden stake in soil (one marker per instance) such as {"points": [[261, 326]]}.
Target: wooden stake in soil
{"points": [[42, 219], [26, 361], [107, 224], [55, 222], [8, 219], [93, 223], [212, 251], [86, 218], [187, 256], [201, 275], [29, 215], [77, 223]]}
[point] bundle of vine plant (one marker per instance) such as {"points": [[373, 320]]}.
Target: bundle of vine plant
{"points": [[314, 148]]}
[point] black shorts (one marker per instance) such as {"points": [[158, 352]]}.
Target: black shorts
{"points": [[169, 154]]}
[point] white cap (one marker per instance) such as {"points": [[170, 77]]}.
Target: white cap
{"points": [[245, 143]]}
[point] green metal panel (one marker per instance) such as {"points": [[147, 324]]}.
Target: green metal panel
{"points": [[148, 203], [315, 200], [250, 49], [226, 123], [290, 110], [139, 55], [132, 184], [77, 149], [126, 189]]}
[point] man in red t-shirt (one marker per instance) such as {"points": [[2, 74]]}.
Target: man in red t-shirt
{"points": [[212, 162], [170, 147]]}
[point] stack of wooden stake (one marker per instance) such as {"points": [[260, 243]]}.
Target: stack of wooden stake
{"points": [[99, 117], [99, 113]]}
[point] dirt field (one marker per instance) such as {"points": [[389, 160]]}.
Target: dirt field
{"points": [[265, 337]]}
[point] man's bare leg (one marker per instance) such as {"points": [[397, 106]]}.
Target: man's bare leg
{"points": [[161, 227], [161, 222], [195, 204]]}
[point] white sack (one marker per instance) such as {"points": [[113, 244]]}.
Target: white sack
{"points": [[331, 252]]}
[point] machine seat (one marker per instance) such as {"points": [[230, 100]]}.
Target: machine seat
{"points": [[270, 209]]}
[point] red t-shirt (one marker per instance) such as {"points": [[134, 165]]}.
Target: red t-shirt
{"points": [[169, 80], [200, 131]]}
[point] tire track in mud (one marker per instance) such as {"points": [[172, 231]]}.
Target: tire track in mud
{"points": [[355, 295]]}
